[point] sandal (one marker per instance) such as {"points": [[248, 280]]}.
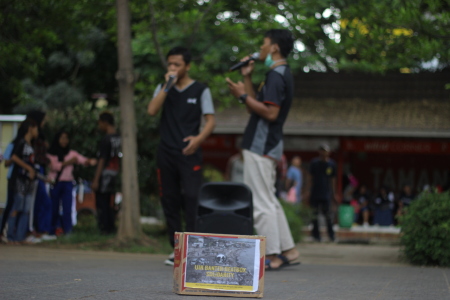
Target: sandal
{"points": [[269, 267], [286, 262]]}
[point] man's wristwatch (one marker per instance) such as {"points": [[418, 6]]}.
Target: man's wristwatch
{"points": [[242, 98]]}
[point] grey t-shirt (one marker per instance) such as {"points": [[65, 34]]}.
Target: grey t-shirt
{"points": [[262, 136], [206, 98], [181, 114]]}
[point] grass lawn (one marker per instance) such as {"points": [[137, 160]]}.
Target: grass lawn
{"points": [[86, 236]]}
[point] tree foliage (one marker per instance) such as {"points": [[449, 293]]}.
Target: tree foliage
{"points": [[219, 33], [50, 41], [389, 35], [46, 42]]}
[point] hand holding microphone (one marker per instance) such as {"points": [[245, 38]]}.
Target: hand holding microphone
{"points": [[244, 62], [171, 79]]}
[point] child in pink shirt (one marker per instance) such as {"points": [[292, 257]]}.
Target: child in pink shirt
{"points": [[62, 160]]}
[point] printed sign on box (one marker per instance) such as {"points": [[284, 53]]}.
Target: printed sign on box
{"points": [[219, 265]]}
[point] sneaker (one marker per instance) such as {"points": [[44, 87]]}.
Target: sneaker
{"points": [[32, 240], [48, 237], [170, 260], [3, 239]]}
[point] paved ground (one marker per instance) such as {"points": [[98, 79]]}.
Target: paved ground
{"points": [[328, 271]]}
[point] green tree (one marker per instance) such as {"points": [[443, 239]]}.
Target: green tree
{"points": [[219, 33], [393, 35], [54, 41], [47, 42]]}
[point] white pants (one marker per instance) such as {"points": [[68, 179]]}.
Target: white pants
{"points": [[268, 215]]}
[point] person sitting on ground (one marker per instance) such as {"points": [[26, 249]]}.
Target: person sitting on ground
{"points": [[363, 198], [406, 198], [384, 205]]}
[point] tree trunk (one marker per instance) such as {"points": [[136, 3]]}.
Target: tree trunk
{"points": [[129, 218]]}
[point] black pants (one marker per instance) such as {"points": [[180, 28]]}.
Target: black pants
{"points": [[179, 178], [321, 206], [105, 213]]}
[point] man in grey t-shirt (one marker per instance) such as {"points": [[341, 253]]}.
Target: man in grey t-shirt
{"points": [[183, 103], [263, 143]]}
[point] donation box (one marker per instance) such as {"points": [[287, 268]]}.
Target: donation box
{"points": [[219, 264]]}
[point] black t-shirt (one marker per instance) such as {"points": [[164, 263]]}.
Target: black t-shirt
{"points": [[181, 115], [264, 137], [25, 152], [383, 201], [109, 149], [406, 199], [322, 173]]}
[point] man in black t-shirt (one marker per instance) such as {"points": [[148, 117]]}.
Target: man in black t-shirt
{"points": [[322, 182], [108, 167], [262, 143], [183, 102]]}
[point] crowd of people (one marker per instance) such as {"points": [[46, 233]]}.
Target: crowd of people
{"points": [[382, 208], [315, 186], [40, 186]]}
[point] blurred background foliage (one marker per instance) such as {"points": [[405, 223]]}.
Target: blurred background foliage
{"points": [[56, 54], [426, 230]]}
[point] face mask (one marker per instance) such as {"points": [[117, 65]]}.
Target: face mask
{"points": [[269, 61]]}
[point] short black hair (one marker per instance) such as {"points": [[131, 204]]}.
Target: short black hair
{"points": [[283, 38], [107, 117], [23, 130], [36, 115], [187, 56]]}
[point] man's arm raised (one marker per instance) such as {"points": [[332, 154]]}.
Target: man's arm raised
{"points": [[267, 111], [157, 102]]}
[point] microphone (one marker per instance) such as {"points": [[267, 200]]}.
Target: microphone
{"points": [[169, 83], [240, 64]]}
